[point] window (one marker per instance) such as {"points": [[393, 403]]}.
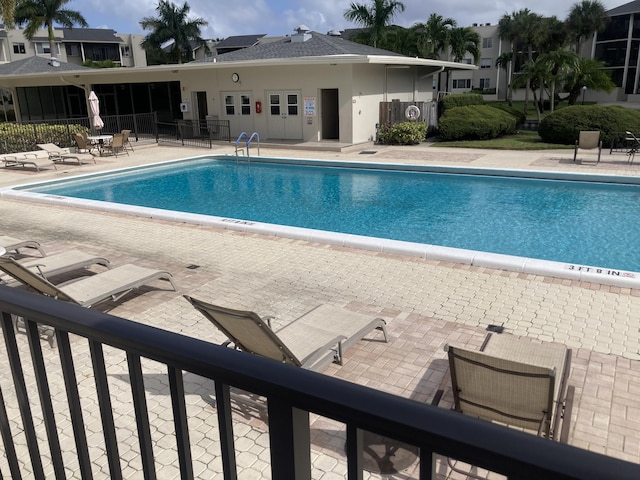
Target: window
{"points": [[274, 104], [292, 104], [462, 83], [466, 61], [485, 63], [245, 104], [19, 48], [229, 105], [73, 50], [125, 50], [42, 48], [485, 83], [487, 42]]}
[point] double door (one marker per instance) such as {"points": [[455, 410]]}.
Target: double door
{"points": [[285, 115]]}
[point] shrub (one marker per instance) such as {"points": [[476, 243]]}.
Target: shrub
{"points": [[460, 100], [563, 126], [405, 133], [519, 114], [478, 122], [25, 138]]}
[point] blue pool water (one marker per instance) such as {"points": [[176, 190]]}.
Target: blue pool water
{"points": [[584, 223]]}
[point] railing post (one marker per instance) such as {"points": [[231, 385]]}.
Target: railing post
{"points": [[354, 453], [290, 441]]}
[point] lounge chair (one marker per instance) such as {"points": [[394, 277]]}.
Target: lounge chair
{"points": [[588, 140], [635, 145], [312, 341], [515, 382], [57, 154], [26, 159], [11, 244], [60, 263], [87, 291]]}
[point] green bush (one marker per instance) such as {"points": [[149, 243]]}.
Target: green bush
{"points": [[460, 100], [519, 114], [564, 125], [405, 133], [15, 138], [478, 122]]}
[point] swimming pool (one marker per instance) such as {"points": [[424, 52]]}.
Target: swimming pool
{"points": [[457, 213]]}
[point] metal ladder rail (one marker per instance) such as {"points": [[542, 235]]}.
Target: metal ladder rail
{"points": [[254, 135], [238, 148]]}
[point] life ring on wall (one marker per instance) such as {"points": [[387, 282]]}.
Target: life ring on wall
{"points": [[412, 112]]}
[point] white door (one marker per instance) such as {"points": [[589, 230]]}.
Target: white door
{"points": [[285, 115], [239, 111]]}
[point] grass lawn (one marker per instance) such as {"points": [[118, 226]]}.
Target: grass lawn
{"points": [[522, 140]]}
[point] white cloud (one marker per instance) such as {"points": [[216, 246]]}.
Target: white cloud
{"points": [[280, 17]]}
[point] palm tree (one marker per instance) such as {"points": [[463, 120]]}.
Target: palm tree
{"points": [[45, 13], [173, 25], [400, 40], [7, 11], [465, 40], [529, 31], [508, 31], [555, 65], [585, 19], [590, 74], [433, 36], [374, 18]]}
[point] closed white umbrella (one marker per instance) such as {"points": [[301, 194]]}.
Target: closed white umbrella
{"points": [[95, 111]]}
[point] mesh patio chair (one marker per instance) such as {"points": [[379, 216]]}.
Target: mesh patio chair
{"points": [[588, 140]]}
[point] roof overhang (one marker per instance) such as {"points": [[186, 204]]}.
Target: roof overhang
{"points": [[168, 72]]}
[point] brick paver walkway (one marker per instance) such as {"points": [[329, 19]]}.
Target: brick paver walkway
{"points": [[428, 304]]}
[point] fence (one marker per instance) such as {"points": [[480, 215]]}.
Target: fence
{"points": [[291, 394], [194, 133], [396, 112], [25, 136]]}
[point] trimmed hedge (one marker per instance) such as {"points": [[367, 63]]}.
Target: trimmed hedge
{"points": [[460, 100], [563, 126], [405, 133], [15, 138], [478, 122], [519, 114]]}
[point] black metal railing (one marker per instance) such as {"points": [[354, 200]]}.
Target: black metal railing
{"points": [[194, 133], [25, 136], [291, 395]]}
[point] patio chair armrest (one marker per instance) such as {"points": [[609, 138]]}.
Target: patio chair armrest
{"points": [[566, 415]]}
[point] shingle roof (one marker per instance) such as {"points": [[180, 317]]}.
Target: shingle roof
{"points": [[240, 41], [90, 35], [317, 45], [627, 8], [37, 65]]}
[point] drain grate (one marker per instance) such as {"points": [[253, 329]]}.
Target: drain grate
{"points": [[495, 328], [368, 152], [192, 266]]}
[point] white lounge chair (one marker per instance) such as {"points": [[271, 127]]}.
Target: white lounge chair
{"points": [[312, 341], [57, 154], [87, 291], [11, 244], [26, 159], [57, 264]]}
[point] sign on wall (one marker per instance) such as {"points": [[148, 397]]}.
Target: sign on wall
{"points": [[309, 106]]}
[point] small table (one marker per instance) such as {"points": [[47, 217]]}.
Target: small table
{"points": [[100, 140]]}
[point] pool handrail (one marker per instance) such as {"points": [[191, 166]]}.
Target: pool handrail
{"points": [[256, 136], [243, 134]]}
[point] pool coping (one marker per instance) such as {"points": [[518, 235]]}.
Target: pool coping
{"points": [[525, 265]]}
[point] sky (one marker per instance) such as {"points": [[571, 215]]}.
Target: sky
{"points": [[280, 17]]}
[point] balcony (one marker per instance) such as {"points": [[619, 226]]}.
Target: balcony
{"points": [[112, 398]]}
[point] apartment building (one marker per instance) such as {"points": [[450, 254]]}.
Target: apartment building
{"points": [[74, 46], [618, 46]]}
